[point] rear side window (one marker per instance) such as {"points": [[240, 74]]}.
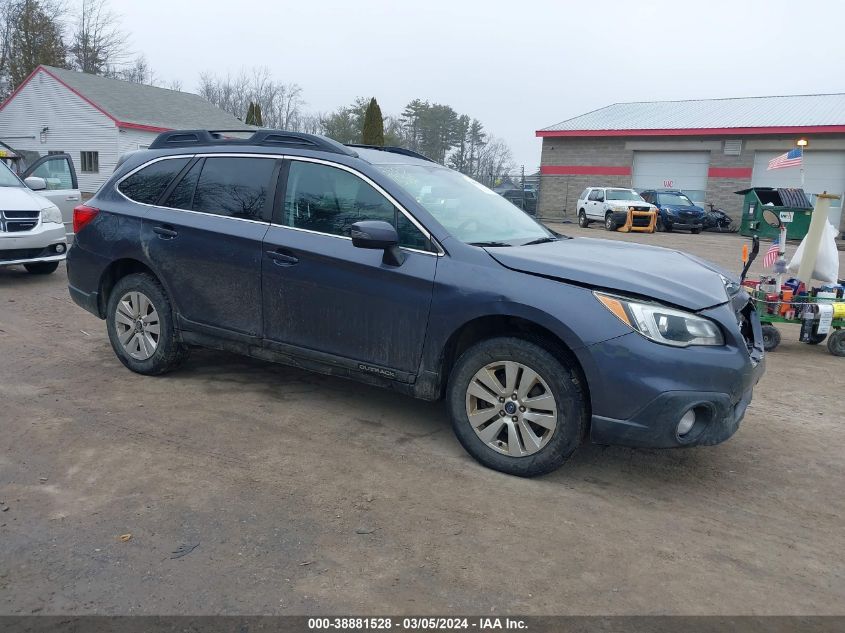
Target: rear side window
{"points": [[235, 187], [182, 196], [146, 185]]}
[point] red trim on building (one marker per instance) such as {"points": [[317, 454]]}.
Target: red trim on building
{"points": [[740, 173], [123, 124], [584, 170], [722, 131], [139, 126]]}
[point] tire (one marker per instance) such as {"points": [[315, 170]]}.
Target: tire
{"points": [[771, 337], [151, 356], [836, 343], [41, 268], [609, 222], [695, 231], [514, 454], [658, 226], [583, 222]]}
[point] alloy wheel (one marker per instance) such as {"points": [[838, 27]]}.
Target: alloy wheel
{"points": [[137, 324], [511, 408]]}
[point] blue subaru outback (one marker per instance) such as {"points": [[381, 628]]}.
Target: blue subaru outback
{"points": [[379, 265]]}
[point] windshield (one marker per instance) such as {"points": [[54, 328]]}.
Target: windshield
{"points": [[675, 198], [623, 194], [470, 211], [7, 178]]}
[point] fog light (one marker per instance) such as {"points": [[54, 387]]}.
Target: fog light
{"points": [[686, 423], [60, 248]]}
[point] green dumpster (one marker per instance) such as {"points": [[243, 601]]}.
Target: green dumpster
{"points": [[791, 205]]}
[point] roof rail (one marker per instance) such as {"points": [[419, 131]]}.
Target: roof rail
{"points": [[266, 138], [392, 149]]}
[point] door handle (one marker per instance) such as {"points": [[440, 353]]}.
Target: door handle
{"points": [[165, 232], [282, 259]]}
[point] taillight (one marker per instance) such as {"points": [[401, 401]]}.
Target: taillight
{"points": [[82, 215]]}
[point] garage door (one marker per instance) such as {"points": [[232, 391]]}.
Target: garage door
{"points": [[823, 171], [686, 171]]}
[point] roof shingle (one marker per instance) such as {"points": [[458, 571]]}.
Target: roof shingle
{"points": [[141, 104]]}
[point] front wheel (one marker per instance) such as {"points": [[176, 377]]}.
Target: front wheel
{"points": [[41, 268], [695, 231], [515, 407], [609, 222], [583, 222], [141, 327]]}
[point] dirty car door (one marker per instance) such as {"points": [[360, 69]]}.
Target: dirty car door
{"points": [[323, 294], [205, 239]]}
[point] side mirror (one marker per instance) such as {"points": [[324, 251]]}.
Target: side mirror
{"points": [[35, 183], [771, 218], [378, 235]]}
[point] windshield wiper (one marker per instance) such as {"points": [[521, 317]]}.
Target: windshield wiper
{"points": [[540, 240], [489, 244]]}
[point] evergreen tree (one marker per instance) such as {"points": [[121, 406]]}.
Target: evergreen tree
{"points": [[372, 132], [256, 113], [35, 38], [250, 114]]}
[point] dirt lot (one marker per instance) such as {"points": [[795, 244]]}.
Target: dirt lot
{"points": [[307, 494]]}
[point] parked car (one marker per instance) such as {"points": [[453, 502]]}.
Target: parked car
{"points": [[386, 268], [31, 229], [54, 176], [676, 210], [609, 205], [525, 200]]}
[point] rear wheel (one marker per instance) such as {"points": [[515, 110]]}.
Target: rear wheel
{"points": [[41, 268], [771, 337], [515, 407], [836, 343], [695, 231], [609, 222], [583, 222], [141, 326]]}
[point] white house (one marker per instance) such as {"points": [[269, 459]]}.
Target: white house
{"points": [[96, 119]]}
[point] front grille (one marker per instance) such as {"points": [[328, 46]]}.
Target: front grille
{"points": [[18, 221], [12, 254]]}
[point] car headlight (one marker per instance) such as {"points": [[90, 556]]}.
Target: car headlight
{"points": [[51, 215], [661, 324], [617, 207]]}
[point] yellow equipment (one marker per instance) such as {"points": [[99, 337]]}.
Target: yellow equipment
{"points": [[639, 227]]}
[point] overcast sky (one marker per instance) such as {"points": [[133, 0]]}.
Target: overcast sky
{"points": [[516, 66]]}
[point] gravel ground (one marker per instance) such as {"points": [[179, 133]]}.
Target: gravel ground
{"points": [[307, 494]]}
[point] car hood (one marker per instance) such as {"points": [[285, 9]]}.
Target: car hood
{"points": [[659, 273], [681, 207], [22, 199], [630, 203]]}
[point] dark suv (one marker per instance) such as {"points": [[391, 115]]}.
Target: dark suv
{"points": [[384, 267], [675, 210], [525, 200]]}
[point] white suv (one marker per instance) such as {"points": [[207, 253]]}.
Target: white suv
{"points": [[609, 205], [32, 231]]}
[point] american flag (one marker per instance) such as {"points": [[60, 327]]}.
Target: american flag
{"points": [[792, 158], [771, 254]]}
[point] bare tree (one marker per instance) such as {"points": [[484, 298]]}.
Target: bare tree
{"points": [[97, 44], [281, 104], [138, 72]]}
